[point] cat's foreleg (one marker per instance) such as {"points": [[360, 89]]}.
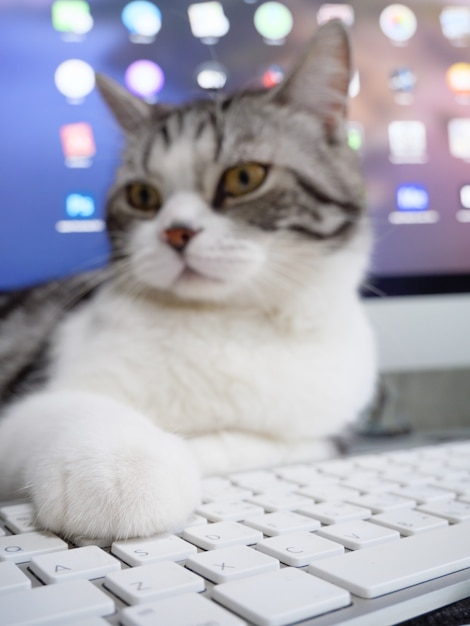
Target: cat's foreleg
{"points": [[95, 468], [230, 451]]}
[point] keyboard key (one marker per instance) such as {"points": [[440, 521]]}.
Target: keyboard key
{"points": [[22, 548], [20, 518], [227, 564], [299, 548], [193, 520], [184, 610], [160, 548], [358, 535], [409, 522], [370, 484], [79, 563], [12, 578], [260, 481], [281, 522], [454, 512], [54, 605], [146, 583], [335, 512], [337, 467], [328, 492], [382, 502], [299, 474], [280, 598], [230, 493], [460, 486], [275, 501], [424, 494], [393, 566], [222, 535], [236, 511]]}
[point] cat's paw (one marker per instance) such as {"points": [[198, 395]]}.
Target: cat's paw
{"points": [[126, 489]]}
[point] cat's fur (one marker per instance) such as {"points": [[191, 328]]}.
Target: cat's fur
{"points": [[246, 348]]}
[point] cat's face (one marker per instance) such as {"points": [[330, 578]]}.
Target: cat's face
{"points": [[245, 199]]}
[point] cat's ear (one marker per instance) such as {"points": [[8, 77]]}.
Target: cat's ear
{"points": [[320, 80], [130, 111]]}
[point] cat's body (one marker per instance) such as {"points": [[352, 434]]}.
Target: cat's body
{"points": [[231, 317]]}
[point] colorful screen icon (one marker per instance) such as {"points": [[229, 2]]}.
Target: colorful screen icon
{"points": [[458, 80], [465, 196], [355, 136], [273, 21], [78, 205], [272, 76], [402, 80], [208, 21], [75, 79], [398, 23], [412, 197], [455, 24], [343, 12], [78, 144], [459, 138], [407, 140], [145, 79], [211, 75], [143, 20], [71, 17]]}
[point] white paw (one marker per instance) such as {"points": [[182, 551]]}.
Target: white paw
{"points": [[107, 492]]}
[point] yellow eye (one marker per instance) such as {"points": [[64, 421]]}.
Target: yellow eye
{"points": [[143, 197], [243, 178]]}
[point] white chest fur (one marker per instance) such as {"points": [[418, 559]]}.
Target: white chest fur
{"points": [[196, 371]]}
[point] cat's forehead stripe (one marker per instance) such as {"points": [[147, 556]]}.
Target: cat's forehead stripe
{"points": [[185, 124]]}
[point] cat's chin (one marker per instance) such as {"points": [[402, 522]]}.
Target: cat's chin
{"points": [[192, 285]]}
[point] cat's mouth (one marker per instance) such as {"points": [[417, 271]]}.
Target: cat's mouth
{"points": [[191, 275]]}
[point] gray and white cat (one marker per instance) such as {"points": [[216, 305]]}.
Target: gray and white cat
{"points": [[227, 332]]}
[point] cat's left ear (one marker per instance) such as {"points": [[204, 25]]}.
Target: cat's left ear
{"points": [[320, 81], [130, 111]]}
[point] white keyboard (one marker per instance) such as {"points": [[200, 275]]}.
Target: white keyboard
{"points": [[364, 540]]}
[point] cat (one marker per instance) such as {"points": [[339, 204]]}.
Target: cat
{"points": [[226, 333]]}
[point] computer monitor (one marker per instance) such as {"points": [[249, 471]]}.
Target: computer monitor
{"points": [[409, 121]]}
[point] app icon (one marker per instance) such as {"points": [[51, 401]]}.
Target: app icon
{"points": [[402, 82], [343, 12], [78, 205], [208, 21], [211, 75], [398, 23], [78, 144], [145, 79], [455, 24], [465, 196], [458, 80], [273, 21], [272, 76], [412, 197], [355, 136], [143, 20], [74, 79], [407, 141], [459, 138], [71, 17]]}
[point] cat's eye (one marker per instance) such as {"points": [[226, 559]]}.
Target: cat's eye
{"points": [[243, 179], [143, 197]]}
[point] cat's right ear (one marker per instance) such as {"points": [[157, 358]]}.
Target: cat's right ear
{"points": [[130, 111]]}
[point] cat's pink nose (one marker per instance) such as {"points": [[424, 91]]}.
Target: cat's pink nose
{"points": [[179, 236]]}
